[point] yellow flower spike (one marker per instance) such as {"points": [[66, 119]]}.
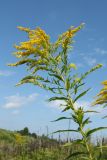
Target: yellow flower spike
{"points": [[19, 139], [102, 92], [26, 53], [23, 29], [65, 39], [104, 82], [72, 65], [102, 96]]}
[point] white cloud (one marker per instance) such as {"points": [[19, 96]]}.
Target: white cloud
{"points": [[15, 112], [90, 61], [87, 106], [84, 104], [17, 101], [6, 73], [91, 39], [100, 51], [57, 104], [79, 65]]}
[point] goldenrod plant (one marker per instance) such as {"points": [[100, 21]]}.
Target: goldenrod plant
{"points": [[102, 96], [51, 69]]}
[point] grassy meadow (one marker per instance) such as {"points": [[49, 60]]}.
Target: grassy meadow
{"points": [[22, 145]]}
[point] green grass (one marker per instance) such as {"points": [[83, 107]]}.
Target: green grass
{"points": [[14, 146]]}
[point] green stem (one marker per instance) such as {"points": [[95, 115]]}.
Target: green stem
{"points": [[86, 144], [75, 112], [83, 134]]}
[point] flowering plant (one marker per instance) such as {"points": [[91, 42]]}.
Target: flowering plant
{"points": [[51, 69]]}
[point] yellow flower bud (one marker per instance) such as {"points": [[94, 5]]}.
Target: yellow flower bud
{"points": [[72, 65]]}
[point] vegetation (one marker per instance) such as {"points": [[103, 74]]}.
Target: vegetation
{"points": [[51, 69], [14, 146]]}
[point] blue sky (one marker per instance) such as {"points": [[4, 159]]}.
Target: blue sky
{"points": [[26, 105]]}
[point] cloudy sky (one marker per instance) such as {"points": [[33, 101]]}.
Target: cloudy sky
{"points": [[26, 105]]}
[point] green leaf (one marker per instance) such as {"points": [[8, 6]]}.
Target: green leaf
{"points": [[94, 130], [67, 84], [90, 71], [105, 105], [57, 98], [57, 76], [77, 86], [75, 154], [27, 79], [77, 141], [61, 118], [81, 95], [65, 109], [104, 117], [23, 61], [66, 130], [86, 121], [100, 156], [67, 144], [90, 111], [40, 68]]}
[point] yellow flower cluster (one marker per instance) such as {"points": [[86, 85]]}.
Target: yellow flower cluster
{"points": [[72, 65], [65, 38], [102, 96], [37, 44], [38, 51], [19, 139]]}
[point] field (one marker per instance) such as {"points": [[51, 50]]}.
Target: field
{"points": [[23, 145]]}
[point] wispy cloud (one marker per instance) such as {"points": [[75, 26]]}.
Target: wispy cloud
{"points": [[6, 73], [80, 65], [15, 112], [17, 101], [91, 39], [90, 61], [100, 51], [87, 106], [58, 104], [84, 104]]}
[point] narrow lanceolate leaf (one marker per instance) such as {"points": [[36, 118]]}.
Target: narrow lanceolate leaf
{"points": [[68, 84], [81, 95], [77, 87], [61, 118], [104, 117], [90, 111], [57, 98], [75, 154], [86, 121], [67, 144], [66, 130], [27, 79], [57, 76], [78, 141], [65, 109], [105, 106], [94, 130], [21, 62], [90, 71]]}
